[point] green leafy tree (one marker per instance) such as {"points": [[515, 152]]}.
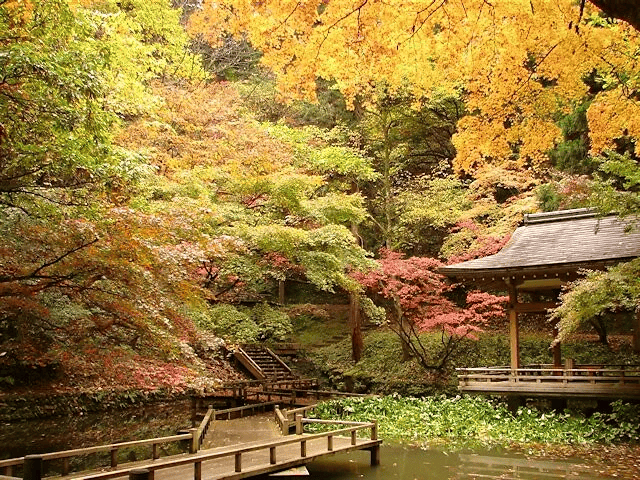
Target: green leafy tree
{"points": [[589, 301], [54, 131], [406, 136]]}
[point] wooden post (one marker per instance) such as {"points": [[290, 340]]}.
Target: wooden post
{"points": [[272, 455], [298, 424], [65, 466], [375, 455], [154, 451], [303, 448], [514, 335], [556, 349], [114, 457], [197, 471], [140, 474], [195, 441], [330, 443], [32, 469], [238, 462], [353, 437], [374, 430], [570, 365]]}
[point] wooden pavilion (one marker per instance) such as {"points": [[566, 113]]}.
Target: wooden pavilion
{"points": [[546, 252]]}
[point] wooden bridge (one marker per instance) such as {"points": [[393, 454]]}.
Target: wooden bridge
{"points": [[234, 462]]}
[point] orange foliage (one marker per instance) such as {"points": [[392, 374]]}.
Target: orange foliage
{"points": [[518, 63]]}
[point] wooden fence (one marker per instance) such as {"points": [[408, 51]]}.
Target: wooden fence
{"points": [[613, 381]]}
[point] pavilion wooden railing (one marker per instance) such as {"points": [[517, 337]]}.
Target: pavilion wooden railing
{"points": [[548, 375]]}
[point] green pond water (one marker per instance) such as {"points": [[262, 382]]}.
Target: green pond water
{"points": [[409, 463], [397, 461]]}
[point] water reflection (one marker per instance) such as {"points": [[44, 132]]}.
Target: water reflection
{"points": [[78, 431], [406, 463]]}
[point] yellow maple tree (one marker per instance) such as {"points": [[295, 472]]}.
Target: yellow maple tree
{"points": [[516, 63]]}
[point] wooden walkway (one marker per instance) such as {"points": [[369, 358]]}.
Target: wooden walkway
{"points": [[224, 462], [245, 460]]}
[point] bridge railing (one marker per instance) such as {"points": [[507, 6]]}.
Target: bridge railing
{"points": [[286, 418], [213, 414], [348, 429], [7, 466], [195, 437]]}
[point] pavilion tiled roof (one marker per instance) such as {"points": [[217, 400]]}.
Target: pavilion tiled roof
{"points": [[566, 240]]}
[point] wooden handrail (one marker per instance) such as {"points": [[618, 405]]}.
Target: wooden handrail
{"points": [[237, 451], [248, 362], [282, 420], [550, 367], [269, 382], [335, 422], [203, 428], [318, 394], [292, 413], [252, 406], [11, 462], [554, 371], [278, 359], [597, 376]]}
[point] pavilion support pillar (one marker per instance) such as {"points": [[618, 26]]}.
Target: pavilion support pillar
{"points": [[556, 349], [514, 334]]}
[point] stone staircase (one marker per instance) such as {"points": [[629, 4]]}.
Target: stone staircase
{"points": [[263, 364]]}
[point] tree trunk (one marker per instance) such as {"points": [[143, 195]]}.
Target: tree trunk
{"points": [[600, 327], [404, 328], [356, 328]]}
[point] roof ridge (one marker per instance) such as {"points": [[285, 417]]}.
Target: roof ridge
{"points": [[559, 215]]}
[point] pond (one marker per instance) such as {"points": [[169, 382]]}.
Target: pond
{"points": [[398, 462], [412, 463]]}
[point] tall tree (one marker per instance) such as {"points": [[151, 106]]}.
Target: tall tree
{"points": [[76, 274], [518, 62]]}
